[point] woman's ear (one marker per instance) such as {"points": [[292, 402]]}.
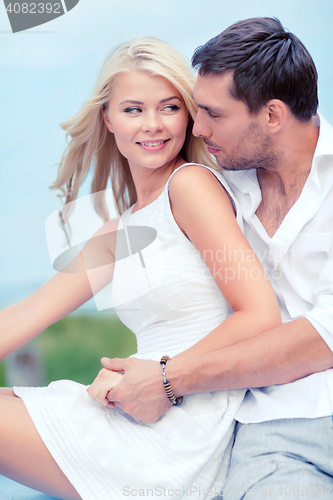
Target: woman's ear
{"points": [[106, 119]]}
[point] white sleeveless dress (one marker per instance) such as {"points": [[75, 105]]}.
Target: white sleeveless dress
{"points": [[169, 299]]}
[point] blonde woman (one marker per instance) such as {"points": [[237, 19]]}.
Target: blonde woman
{"points": [[71, 441]]}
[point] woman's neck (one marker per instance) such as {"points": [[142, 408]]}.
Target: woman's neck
{"points": [[149, 183]]}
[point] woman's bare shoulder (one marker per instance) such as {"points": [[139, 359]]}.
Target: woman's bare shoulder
{"points": [[196, 182], [108, 227]]}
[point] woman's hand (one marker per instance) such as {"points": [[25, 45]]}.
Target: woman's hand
{"points": [[101, 389]]}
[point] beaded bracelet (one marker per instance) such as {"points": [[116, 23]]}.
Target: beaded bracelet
{"points": [[175, 401]]}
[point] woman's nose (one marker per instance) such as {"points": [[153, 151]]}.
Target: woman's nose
{"points": [[152, 122]]}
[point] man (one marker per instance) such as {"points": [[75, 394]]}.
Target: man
{"points": [[257, 97]]}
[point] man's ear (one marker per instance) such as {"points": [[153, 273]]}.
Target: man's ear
{"points": [[106, 119], [276, 113]]}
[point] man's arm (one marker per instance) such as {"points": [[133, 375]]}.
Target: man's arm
{"points": [[281, 355]]}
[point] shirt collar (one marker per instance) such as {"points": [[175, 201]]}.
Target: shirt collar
{"points": [[245, 180], [323, 150], [325, 140]]}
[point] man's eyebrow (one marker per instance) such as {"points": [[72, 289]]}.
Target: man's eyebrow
{"points": [[209, 109]]}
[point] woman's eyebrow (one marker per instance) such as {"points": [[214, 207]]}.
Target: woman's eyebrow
{"points": [[131, 102], [170, 99]]}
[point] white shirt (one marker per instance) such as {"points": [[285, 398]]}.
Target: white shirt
{"points": [[298, 260]]}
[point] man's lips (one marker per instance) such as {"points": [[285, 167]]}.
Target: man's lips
{"points": [[213, 151], [211, 148]]}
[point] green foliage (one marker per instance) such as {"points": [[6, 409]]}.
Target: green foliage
{"points": [[2, 374], [72, 347]]}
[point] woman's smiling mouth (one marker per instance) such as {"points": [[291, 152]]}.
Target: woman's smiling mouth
{"points": [[156, 145]]}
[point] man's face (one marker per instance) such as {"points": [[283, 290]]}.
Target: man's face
{"points": [[234, 136]]}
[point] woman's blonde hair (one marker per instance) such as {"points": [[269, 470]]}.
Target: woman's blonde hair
{"points": [[92, 144]]}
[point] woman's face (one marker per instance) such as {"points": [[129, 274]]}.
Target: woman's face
{"points": [[148, 118]]}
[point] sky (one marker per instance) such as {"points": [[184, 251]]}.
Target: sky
{"points": [[47, 73]]}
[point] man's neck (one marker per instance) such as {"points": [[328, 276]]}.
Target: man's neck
{"points": [[282, 186]]}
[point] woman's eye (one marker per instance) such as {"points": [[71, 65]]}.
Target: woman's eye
{"points": [[132, 110], [171, 108]]}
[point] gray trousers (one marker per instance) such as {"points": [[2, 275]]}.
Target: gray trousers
{"points": [[282, 459]]}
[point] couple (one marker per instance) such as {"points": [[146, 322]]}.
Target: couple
{"points": [[215, 315]]}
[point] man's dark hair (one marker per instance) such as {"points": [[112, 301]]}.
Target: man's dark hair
{"points": [[268, 63]]}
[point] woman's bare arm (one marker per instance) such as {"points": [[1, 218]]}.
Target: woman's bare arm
{"points": [[212, 228], [58, 297]]}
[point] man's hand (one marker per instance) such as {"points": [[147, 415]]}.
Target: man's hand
{"points": [[104, 383], [140, 391]]}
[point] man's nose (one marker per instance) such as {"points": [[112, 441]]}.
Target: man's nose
{"points": [[200, 128]]}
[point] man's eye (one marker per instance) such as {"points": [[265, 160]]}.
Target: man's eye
{"points": [[212, 115], [132, 110]]}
